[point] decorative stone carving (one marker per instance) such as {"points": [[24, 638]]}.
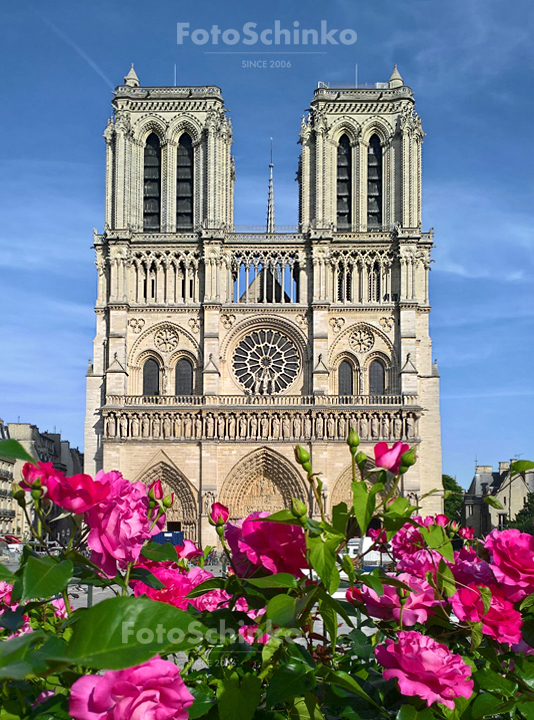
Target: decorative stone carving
{"points": [[387, 323], [227, 320], [361, 340], [337, 324], [194, 324], [166, 339], [137, 324], [301, 320], [266, 362]]}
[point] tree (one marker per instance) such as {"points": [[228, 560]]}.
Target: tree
{"points": [[453, 503], [524, 520]]}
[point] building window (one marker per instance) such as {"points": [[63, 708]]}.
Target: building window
{"points": [[151, 377], [502, 521], [377, 378], [184, 184], [344, 283], [345, 379], [374, 182], [152, 187], [344, 190], [184, 377]]}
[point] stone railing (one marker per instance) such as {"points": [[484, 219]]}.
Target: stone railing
{"points": [[260, 400]]}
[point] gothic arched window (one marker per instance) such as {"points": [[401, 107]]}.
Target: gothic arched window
{"points": [[183, 377], [152, 184], [184, 184], [150, 377], [374, 182], [377, 378], [344, 190], [344, 283], [345, 379]]}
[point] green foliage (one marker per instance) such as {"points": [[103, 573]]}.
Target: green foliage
{"points": [[454, 497]]}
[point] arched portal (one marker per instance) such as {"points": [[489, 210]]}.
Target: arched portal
{"points": [[185, 506], [262, 481]]}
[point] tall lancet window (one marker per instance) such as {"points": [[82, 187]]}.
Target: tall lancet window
{"points": [[374, 182], [152, 188], [344, 189], [150, 377], [184, 184]]}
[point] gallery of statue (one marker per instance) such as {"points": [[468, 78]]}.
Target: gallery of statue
{"points": [[217, 351]]}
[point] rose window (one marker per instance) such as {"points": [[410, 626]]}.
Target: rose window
{"points": [[166, 340], [266, 362], [361, 340]]}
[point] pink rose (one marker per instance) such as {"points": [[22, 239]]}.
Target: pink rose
{"points": [[420, 563], [267, 545], [219, 514], [468, 568], [408, 540], [425, 668], [188, 550], [512, 561], [522, 647], [502, 622], [60, 609], [390, 458], [155, 491], [442, 520], [46, 472], [250, 635], [5, 594], [120, 525], [152, 690], [378, 535], [79, 493], [415, 606], [467, 533], [178, 584]]}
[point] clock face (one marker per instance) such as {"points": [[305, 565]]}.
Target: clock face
{"points": [[265, 362]]}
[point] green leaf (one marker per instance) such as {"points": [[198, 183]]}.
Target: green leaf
{"points": [[269, 649], [126, 631], [373, 582], [203, 702], [525, 670], [274, 581], [203, 588], [340, 516], [344, 680], [282, 611], [407, 712], [44, 577], [13, 449], [526, 708], [485, 704], [490, 680], [485, 594], [329, 615], [289, 681], [305, 708], [7, 575], [323, 560], [436, 538], [526, 603], [476, 635], [492, 501], [146, 577], [238, 699], [348, 567], [364, 504], [519, 466], [160, 553], [336, 606], [445, 579], [282, 516], [14, 655]]}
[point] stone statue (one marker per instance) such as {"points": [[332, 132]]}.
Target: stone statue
{"points": [[198, 426], [286, 426], [307, 426], [210, 426], [331, 426], [221, 426], [178, 426], [187, 426], [209, 499], [254, 426], [167, 427], [319, 426], [123, 426], [385, 427], [135, 426], [145, 426], [111, 428], [231, 426], [156, 427], [375, 427], [243, 430], [265, 426], [276, 427], [363, 427], [397, 427], [342, 427], [297, 426], [410, 427]]}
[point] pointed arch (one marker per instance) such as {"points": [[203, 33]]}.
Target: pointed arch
{"points": [[263, 480], [152, 173], [185, 506], [344, 183]]}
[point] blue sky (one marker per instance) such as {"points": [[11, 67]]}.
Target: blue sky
{"points": [[469, 63]]}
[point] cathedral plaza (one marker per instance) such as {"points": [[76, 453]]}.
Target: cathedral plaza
{"points": [[217, 351]]}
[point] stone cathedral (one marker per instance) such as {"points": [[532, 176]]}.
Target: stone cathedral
{"points": [[217, 351]]}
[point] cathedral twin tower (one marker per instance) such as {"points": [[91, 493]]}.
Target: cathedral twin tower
{"points": [[217, 351]]}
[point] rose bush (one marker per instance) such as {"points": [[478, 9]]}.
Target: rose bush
{"points": [[297, 630]]}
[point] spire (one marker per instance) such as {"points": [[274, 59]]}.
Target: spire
{"points": [[395, 80], [131, 79], [270, 200]]}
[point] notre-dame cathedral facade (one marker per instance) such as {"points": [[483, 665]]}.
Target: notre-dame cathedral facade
{"points": [[217, 351]]}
